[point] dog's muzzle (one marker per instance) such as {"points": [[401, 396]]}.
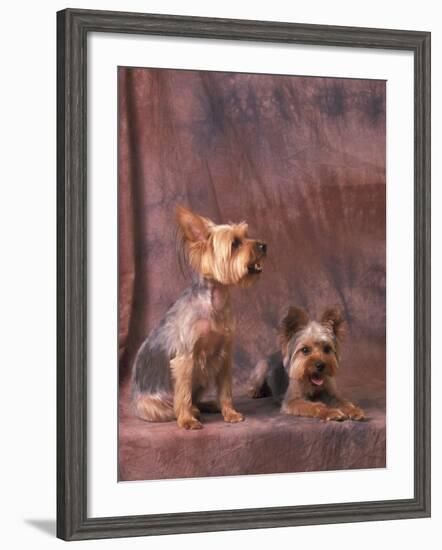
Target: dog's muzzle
{"points": [[261, 248]]}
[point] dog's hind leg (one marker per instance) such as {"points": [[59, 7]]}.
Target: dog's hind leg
{"points": [[257, 386], [154, 407], [152, 388]]}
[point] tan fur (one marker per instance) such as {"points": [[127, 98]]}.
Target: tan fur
{"points": [[223, 256], [311, 409], [304, 372], [208, 248], [154, 408], [182, 372], [315, 345]]}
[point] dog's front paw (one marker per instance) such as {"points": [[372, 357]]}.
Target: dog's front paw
{"points": [[233, 416], [334, 414], [189, 423], [356, 414], [352, 411]]}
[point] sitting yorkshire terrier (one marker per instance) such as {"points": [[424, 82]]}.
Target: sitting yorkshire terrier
{"points": [[301, 376], [192, 345]]}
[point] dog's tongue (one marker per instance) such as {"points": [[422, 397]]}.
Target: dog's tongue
{"points": [[317, 381]]}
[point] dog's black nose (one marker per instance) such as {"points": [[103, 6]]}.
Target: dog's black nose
{"points": [[261, 248], [320, 366]]}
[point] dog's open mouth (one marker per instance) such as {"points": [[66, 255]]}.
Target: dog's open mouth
{"points": [[316, 379], [255, 268]]}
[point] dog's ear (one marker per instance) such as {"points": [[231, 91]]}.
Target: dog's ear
{"points": [[332, 318], [195, 228], [295, 319]]}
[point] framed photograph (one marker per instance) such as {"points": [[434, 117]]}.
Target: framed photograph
{"points": [[243, 274]]}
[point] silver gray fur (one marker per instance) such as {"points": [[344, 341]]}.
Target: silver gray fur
{"points": [[277, 380], [151, 373]]}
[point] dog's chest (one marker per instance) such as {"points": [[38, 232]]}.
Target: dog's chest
{"points": [[213, 333], [214, 316], [213, 337], [210, 353]]}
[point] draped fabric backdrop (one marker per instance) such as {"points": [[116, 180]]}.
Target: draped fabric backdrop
{"points": [[302, 160]]}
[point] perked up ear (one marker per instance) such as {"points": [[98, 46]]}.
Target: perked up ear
{"points": [[294, 320], [332, 318], [195, 228]]}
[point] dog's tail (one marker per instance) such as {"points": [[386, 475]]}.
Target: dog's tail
{"points": [[258, 386], [154, 407]]}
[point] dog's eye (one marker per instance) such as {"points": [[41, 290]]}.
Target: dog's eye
{"points": [[327, 349], [236, 243], [305, 350]]}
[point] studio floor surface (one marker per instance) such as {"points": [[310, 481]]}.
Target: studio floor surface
{"points": [[266, 442]]}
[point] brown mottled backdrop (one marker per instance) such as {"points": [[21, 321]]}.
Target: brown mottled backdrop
{"points": [[302, 160]]}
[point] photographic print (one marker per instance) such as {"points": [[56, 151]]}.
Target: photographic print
{"points": [[252, 273]]}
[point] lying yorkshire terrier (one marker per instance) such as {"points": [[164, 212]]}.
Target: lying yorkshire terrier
{"points": [[192, 345], [301, 376]]}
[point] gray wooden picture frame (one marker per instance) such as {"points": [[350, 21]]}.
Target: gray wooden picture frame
{"points": [[73, 27]]}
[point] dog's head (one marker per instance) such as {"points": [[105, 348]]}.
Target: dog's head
{"points": [[223, 252], [310, 349]]}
